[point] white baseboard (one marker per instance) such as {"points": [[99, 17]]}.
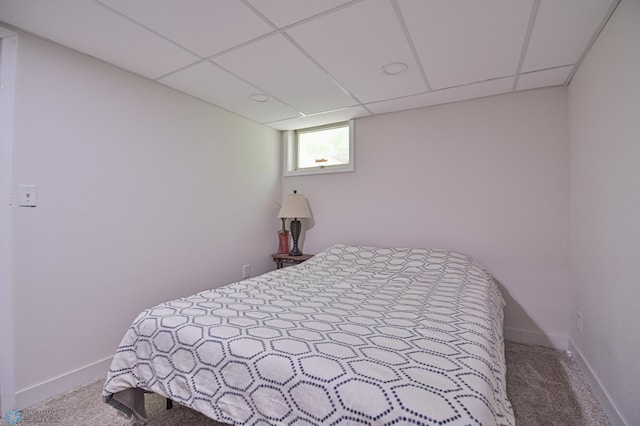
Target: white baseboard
{"points": [[603, 397], [63, 383], [529, 337]]}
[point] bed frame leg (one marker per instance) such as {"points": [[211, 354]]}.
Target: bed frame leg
{"points": [[169, 404]]}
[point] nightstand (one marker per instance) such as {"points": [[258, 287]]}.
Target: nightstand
{"points": [[283, 260]]}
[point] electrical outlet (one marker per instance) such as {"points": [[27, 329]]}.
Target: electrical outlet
{"points": [[579, 320], [246, 271]]}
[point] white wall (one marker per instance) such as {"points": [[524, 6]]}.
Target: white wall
{"points": [[8, 45], [144, 194], [487, 177], [604, 105]]}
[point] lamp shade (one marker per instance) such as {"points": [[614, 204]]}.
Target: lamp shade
{"points": [[295, 206]]}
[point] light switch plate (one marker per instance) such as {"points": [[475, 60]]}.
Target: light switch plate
{"points": [[27, 195]]}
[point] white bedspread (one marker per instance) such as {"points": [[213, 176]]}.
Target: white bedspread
{"points": [[355, 335]]}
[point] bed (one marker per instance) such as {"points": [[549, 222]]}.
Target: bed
{"points": [[355, 335]]}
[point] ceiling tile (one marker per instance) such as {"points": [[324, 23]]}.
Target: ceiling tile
{"points": [[354, 43], [562, 31], [90, 27], [208, 82], [287, 12], [320, 119], [461, 41], [443, 96], [278, 67], [202, 26], [544, 78], [328, 63]]}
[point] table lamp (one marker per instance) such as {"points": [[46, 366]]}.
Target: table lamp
{"points": [[295, 206]]}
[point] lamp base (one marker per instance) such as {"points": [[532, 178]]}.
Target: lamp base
{"points": [[295, 227]]}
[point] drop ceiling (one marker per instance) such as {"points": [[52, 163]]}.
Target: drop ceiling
{"points": [[299, 63]]}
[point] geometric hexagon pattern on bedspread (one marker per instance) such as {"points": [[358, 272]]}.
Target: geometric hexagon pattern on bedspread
{"points": [[355, 335]]}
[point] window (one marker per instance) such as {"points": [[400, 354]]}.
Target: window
{"points": [[321, 149]]}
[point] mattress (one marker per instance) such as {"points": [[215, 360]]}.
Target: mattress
{"points": [[355, 335]]}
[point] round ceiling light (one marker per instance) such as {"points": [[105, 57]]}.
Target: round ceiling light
{"points": [[395, 68], [259, 97]]}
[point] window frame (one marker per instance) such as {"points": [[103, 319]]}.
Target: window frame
{"points": [[290, 139]]}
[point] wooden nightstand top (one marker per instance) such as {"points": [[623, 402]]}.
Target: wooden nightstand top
{"points": [[283, 260], [287, 256]]}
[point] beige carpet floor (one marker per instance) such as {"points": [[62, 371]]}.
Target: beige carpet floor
{"points": [[544, 386]]}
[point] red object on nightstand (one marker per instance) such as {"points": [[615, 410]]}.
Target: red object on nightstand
{"points": [[283, 240]]}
